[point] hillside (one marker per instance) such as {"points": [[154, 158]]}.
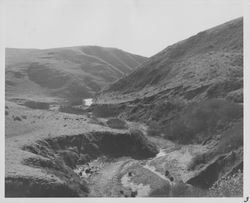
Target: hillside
{"points": [[208, 64], [190, 93], [194, 87], [71, 73]]}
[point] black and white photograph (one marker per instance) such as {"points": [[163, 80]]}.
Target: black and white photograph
{"points": [[124, 99]]}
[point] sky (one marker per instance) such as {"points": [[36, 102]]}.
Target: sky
{"points": [[142, 27]]}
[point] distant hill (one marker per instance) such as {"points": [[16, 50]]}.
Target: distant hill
{"points": [[70, 73]]}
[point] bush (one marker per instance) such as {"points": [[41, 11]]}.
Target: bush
{"points": [[117, 123], [37, 105], [16, 118]]}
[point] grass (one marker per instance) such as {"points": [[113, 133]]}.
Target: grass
{"points": [[105, 111], [65, 72]]}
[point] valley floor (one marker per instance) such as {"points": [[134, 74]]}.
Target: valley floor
{"points": [[36, 134]]}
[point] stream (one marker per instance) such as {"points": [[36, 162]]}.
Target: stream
{"points": [[88, 102]]}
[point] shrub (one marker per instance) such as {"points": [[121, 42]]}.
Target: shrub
{"points": [[16, 118], [37, 105], [117, 123]]}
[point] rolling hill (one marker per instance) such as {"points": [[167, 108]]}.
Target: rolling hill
{"points": [[71, 73]]}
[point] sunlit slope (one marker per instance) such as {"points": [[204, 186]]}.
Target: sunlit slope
{"points": [[72, 73]]}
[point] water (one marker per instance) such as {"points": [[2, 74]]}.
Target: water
{"points": [[88, 102]]}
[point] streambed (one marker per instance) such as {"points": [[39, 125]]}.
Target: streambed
{"points": [[128, 177]]}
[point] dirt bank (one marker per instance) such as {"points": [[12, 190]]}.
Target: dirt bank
{"points": [[58, 157]]}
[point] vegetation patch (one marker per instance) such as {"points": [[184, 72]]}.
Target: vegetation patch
{"points": [[199, 121], [117, 123], [107, 110], [36, 105]]}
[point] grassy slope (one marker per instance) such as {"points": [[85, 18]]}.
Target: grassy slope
{"points": [[212, 57], [188, 89], [72, 73]]}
